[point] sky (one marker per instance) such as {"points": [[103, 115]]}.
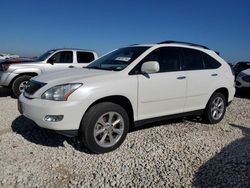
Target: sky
{"points": [[31, 27]]}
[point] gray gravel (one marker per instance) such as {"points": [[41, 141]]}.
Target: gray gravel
{"points": [[178, 153]]}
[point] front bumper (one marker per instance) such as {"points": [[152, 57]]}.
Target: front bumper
{"points": [[37, 109]]}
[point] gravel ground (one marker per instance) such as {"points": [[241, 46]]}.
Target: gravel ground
{"points": [[177, 153]]}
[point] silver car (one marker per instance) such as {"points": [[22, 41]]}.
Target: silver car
{"points": [[243, 79], [16, 75]]}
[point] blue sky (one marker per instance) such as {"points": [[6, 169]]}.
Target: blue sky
{"points": [[30, 27]]}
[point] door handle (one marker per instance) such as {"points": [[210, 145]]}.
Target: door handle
{"points": [[71, 66], [214, 74], [181, 77]]}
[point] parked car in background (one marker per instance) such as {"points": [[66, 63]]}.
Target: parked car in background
{"points": [[243, 79], [17, 60], [3, 56], [15, 75], [240, 66], [231, 65], [129, 87], [8, 56]]}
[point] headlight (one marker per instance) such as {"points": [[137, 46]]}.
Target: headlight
{"points": [[5, 67], [60, 92]]}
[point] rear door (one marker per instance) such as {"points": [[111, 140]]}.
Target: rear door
{"points": [[84, 58], [162, 93], [200, 78]]}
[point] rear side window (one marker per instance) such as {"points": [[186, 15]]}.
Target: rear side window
{"points": [[85, 57], [192, 59], [168, 58], [209, 62]]}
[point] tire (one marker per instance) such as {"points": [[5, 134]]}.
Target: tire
{"points": [[96, 133], [215, 109], [17, 85]]}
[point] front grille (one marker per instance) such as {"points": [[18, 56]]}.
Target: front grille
{"points": [[33, 86], [246, 78]]}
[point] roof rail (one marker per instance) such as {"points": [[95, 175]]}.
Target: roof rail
{"points": [[179, 42]]}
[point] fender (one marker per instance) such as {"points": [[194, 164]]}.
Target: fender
{"points": [[27, 70], [9, 77]]}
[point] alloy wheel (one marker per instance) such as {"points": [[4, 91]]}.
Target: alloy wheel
{"points": [[22, 86], [109, 129], [218, 107]]}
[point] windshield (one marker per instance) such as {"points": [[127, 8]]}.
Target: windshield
{"points": [[45, 55], [118, 59]]}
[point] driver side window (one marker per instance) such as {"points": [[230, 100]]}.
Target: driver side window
{"points": [[62, 57]]}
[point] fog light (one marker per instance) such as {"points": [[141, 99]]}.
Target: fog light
{"points": [[53, 118]]}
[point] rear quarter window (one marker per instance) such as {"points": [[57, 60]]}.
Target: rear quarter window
{"points": [[85, 57], [210, 62]]}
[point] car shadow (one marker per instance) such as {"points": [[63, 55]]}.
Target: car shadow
{"points": [[243, 93], [35, 134], [5, 92], [31, 132], [230, 167]]}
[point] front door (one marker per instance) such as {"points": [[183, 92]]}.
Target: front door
{"points": [[59, 61], [162, 93]]}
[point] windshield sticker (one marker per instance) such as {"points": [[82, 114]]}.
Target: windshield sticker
{"points": [[123, 58]]}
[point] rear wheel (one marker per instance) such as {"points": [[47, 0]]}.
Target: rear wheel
{"points": [[104, 127], [19, 84], [216, 108]]}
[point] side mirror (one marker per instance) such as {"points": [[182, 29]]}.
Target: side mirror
{"points": [[150, 67], [52, 60]]}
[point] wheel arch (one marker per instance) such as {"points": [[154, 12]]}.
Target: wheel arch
{"points": [[223, 91], [120, 100], [32, 74]]}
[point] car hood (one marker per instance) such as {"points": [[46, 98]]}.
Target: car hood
{"points": [[70, 76], [14, 66], [247, 71]]}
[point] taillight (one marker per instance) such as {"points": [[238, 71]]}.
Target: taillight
{"points": [[5, 67]]}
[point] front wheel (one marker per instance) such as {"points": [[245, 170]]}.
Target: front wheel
{"points": [[19, 85], [216, 108], [104, 127]]}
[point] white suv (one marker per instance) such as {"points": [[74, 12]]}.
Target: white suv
{"points": [[129, 87]]}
